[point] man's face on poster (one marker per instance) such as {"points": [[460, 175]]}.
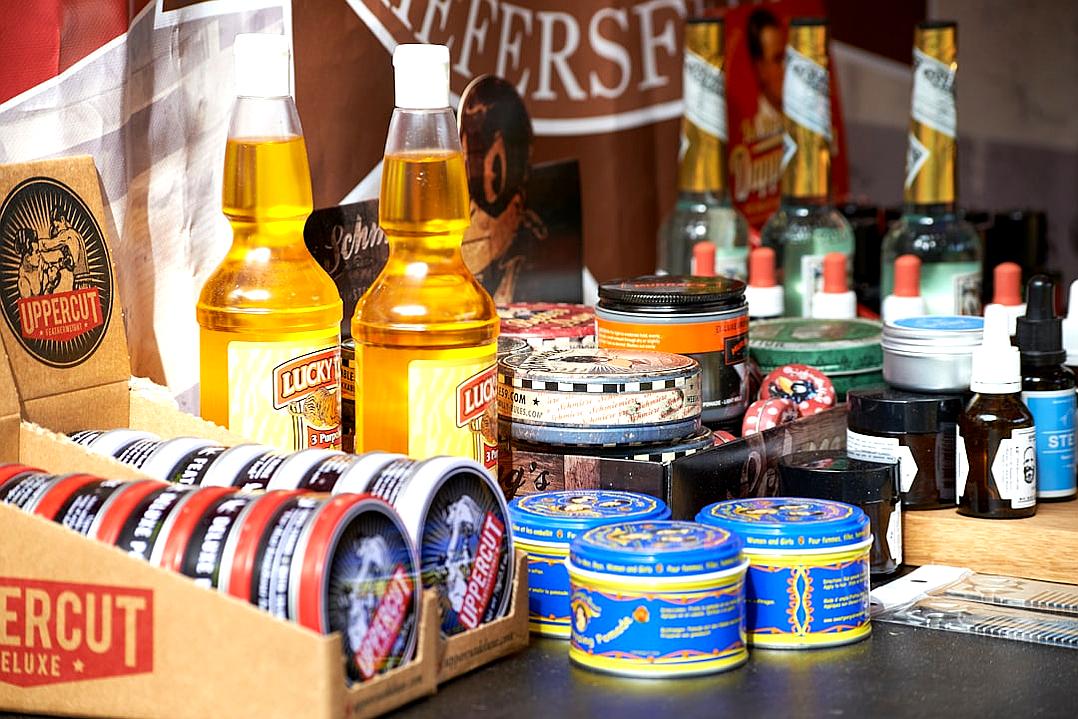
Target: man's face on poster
{"points": [[496, 212], [771, 65]]}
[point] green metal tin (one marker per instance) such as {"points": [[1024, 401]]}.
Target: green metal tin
{"points": [[847, 351]]}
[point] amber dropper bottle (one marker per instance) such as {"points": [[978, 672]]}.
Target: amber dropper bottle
{"points": [[996, 450]]}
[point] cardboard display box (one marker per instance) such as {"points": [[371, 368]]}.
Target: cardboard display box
{"points": [[163, 646], [180, 658]]}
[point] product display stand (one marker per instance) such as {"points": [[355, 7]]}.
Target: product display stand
{"points": [[1044, 546]]}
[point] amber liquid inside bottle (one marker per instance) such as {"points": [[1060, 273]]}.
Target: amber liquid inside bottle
{"points": [[989, 420], [268, 289], [425, 310]]}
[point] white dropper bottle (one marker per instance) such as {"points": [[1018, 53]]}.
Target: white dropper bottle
{"points": [[837, 301], [906, 300]]}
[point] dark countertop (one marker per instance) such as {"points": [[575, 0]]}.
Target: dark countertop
{"points": [[897, 672]]}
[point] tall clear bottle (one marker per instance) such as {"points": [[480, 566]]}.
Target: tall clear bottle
{"points": [[703, 212], [270, 316], [806, 227], [931, 227], [426, 331]]}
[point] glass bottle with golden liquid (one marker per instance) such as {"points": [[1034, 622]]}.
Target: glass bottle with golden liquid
{"points": [[703, 212], [932, 227], [269, 314], [426, 331], [806, 227]]}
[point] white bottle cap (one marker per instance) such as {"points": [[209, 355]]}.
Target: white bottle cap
{"points": [[834, 305], [421, 76], [765, 302], [261, 65], [1070, 327], [1013, 313], [899, 308], [997, 364]]}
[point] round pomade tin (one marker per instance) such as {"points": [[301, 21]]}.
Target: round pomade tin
{"points": [[592, 396], [932, 353], [456, 515], [356, 572], [705, 318], [808, 580], [847, 351], [548, 325], [545, 524], [657, 599]]}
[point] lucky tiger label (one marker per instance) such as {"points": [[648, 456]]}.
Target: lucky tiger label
{"points": [[463, 426], [286, 394]]}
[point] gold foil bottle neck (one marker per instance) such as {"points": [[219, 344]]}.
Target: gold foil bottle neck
{"points": [[808, 172], [937, 39], [702, 167], [809, 37], [932, 158]]}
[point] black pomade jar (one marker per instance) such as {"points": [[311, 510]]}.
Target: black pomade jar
{"points": [[872, 486], [915, 431]]}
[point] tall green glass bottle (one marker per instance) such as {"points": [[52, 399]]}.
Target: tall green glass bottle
{"points": [[703, 211], [931, 225], [806, 227]]}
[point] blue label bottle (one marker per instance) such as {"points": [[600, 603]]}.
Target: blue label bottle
{"points": [[1048, 391]]}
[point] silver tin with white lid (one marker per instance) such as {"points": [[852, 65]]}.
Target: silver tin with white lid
{"points": [[163, 461], [363, 468], [291, 473], [931, 353], [225, 468]]}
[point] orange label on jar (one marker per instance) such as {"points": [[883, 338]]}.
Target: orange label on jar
{"points": [[729, 336]]}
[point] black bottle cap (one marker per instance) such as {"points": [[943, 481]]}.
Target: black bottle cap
{"points": [[671, 294], [832, 474], [1040, 332], [889, 411]]}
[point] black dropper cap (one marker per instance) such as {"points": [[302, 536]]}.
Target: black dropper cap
{"points": [[1040, 332]]}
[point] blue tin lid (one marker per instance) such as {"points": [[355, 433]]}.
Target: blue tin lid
{"points": [[789, 522], [953, 323], [656, 549], [561, 516]]}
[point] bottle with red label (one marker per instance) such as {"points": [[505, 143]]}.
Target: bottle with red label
{"points": [[270, 316], [426, 331]]}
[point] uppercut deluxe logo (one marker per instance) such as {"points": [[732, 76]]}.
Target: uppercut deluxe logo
{"points": [[57, 632], [56, 286]]}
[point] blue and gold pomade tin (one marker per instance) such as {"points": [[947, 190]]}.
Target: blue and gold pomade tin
{"points": [[808, 579], [657, 599], [544, 525]]}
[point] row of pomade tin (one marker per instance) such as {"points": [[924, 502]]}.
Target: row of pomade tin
{"points": [[641, 596], [451, 508], [344, 564]]}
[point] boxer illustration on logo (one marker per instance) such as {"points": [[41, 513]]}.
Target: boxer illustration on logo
{"points": [[55, 274]]}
